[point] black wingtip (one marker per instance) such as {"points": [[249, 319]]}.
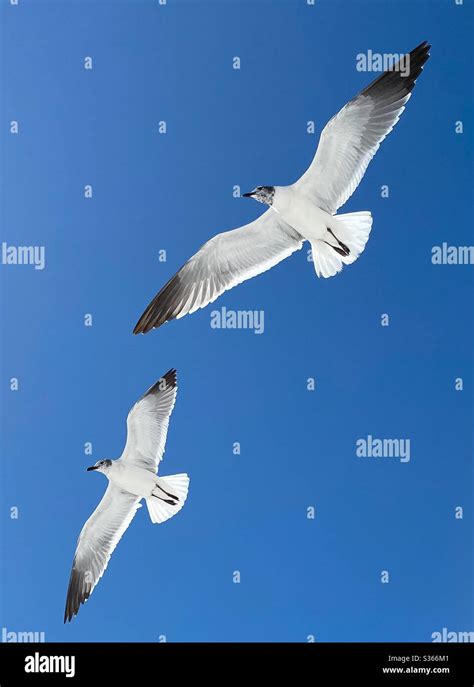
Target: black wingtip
{"points": [[394, 82], [167, 381], [68, 613], [421, 51], [165, 306], [138, 328], [153, 317], [170, 378]]}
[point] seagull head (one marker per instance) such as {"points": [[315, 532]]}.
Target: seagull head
{"points": [[264, 194], [101, 465]]}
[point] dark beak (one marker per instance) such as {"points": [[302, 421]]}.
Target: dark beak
{"points": [[247, 195], [93, 467]]}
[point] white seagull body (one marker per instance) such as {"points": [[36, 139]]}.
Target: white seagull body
{"points": [[131, 478], [305, 210]]}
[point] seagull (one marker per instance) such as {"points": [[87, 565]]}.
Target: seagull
{"points": [[132, 477], [303, 211]]}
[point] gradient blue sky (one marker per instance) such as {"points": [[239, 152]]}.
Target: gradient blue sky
{"points": [[299, 577]]}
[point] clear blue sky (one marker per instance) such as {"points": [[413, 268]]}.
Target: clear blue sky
{"points": [[245, 512]]}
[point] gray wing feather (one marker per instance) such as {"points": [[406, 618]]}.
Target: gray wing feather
{"points": [[351, 138], [97, 541], [223, 262], [147, 424]]}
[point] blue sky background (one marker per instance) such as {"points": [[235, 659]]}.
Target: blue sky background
{"points": [[229, 127]]}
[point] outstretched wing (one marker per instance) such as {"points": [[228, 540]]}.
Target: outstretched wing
{"points": [[351, 138], [97, 541], [223, 262], [147, 424]]}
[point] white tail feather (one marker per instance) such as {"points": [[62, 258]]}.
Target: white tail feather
{"points": [[174, 485], [353, 230]]}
